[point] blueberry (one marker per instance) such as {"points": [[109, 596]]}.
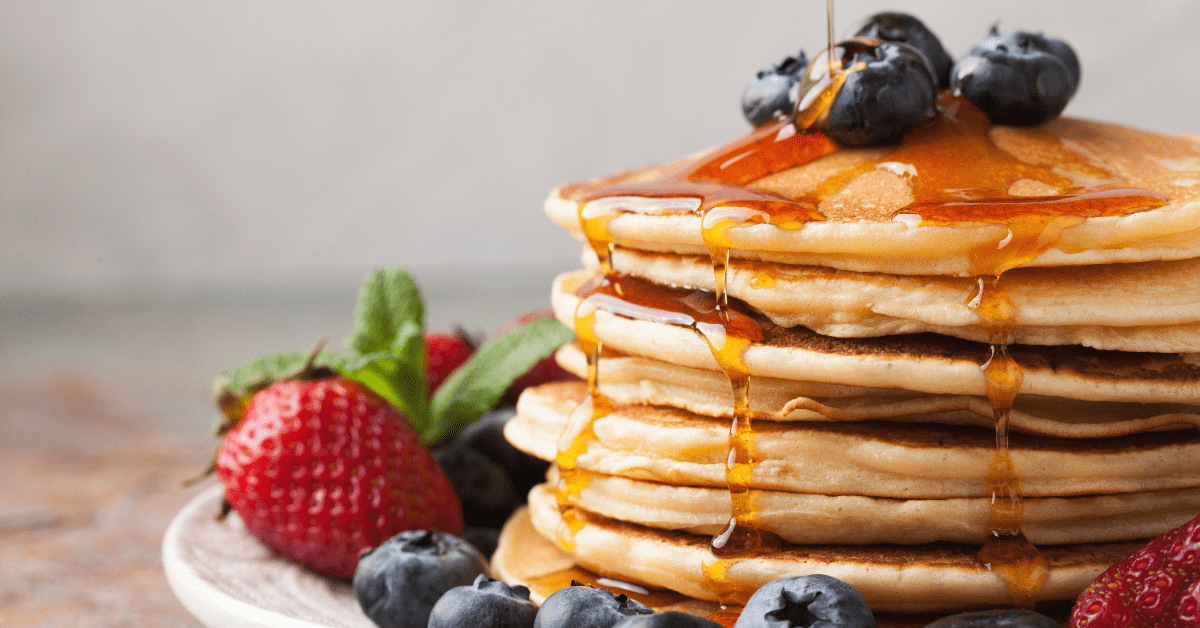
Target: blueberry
{"points": [[1063, 51], [1035, 41], [771, 93], [485, 491], [1017, 78], [398, 582], [817, 601], [1000, 618], [889, 88], [484, 539], [485, 604], [579, 606], [667, 619], [490, 476], [904, 28], [487, 437]]}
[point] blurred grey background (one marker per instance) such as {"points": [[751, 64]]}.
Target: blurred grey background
{"points": [[160, 144]]}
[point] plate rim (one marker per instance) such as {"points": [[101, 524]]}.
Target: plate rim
{"points": [[211, 606]]}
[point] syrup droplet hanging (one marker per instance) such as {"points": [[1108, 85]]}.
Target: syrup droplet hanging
{"points": [[1005, 551], [579, 431]]}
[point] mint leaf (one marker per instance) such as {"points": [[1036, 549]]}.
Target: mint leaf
{"points": [[390, 316], [389, 325], [477, 385], [394, 379], [260, 372]]}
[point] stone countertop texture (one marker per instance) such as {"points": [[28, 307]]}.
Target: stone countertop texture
{"points": [[89, 489]]}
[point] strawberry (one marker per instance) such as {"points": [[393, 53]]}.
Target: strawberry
{"points": [[323, 471], [443, 354], [1157, 587], [325, 454]]}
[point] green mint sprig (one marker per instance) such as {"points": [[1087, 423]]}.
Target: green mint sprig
{"points": [[388, 345]]}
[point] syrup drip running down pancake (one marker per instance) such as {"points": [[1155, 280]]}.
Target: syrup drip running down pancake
{"points": [[924, 363], [935, 577], [871, 458], [807, 518], [630, 380], [1054, 306]]}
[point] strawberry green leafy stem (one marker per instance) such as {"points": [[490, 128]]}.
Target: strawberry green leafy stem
{"points": [[388, 342]]}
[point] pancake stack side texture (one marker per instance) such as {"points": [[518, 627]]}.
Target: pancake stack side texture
{"points": [[873, 434]]}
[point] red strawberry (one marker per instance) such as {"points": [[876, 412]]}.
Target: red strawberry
{"points": [[1157, 587], [443, 354], [322, 471]]}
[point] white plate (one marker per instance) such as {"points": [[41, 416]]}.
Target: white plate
{"points": [[229, 580]]}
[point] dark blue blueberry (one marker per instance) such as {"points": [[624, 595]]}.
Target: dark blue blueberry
{"points": [[1017, 78], [485, 491], [579, 606], [1065, 53], [1035, 41], [485, 604], [889, 88], [907, 29], [484, 539], [772, 92], [398, 582], [806, 601], [1001, 618], [667, 619], [487, 437]]}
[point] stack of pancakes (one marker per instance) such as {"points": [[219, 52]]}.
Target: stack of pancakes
{"points": [[867, 447]]}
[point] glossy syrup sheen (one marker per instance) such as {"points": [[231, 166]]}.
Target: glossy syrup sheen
{"points": [[956, 175], [1005, 551], [579, 431]]}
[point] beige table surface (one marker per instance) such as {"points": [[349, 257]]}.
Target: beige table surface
{"points": [[104, 411]]}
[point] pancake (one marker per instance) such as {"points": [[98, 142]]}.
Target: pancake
{"points": [[869, 458], [919, 362], [939, 577], [527, 558], [860, 234], [630, 380], [1054, 306], [806, 518]]}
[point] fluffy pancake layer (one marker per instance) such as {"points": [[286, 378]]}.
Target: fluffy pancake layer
{"points": [[806, 518], [523, 556], [939, 577], [630, 380], [874, 458], [1054, 306], [919, 362], [860, 234]]}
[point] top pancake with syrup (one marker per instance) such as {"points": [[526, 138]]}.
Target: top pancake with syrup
{"points": [[957, 196]]}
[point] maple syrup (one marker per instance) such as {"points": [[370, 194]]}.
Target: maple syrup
{"points": [[931, 160], [543, 586], [579, 431], [1005, 551]]}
